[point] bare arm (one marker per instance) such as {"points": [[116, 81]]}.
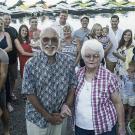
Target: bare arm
{"points": [[20, 49], [116, 54], [3, 74], [120, 112], [9, 43], [54, 118], [70, 97], [78, 51]]}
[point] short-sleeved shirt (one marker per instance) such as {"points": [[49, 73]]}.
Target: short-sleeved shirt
{"points": [[49, 82], [81, 34], [14, 35], [70, 49], [103, 110]]}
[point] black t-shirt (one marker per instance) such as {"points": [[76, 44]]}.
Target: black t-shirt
{"points": [[14, 35]]}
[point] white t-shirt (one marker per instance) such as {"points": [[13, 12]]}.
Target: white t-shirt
{"points": [[59, 28], [83, 112], [115, 38]]}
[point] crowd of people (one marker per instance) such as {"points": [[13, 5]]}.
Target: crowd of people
{"points": [[78, 82]]}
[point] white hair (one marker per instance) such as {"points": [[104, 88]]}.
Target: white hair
{"points": [[94, 45]]}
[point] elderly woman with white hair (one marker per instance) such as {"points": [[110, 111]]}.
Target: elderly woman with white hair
{"points": [[98, 106]]}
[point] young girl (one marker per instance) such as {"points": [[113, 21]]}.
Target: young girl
{"points": [[128, 93]]}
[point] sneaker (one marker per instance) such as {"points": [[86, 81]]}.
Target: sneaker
{"points": [[10, 107]]}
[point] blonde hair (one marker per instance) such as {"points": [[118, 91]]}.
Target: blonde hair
{"points": [[93, 30], [67, 27], [1, 19]]}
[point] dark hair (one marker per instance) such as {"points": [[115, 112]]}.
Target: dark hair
{"points": [[20, 37], [64, 11], [115, 16], [122, 41], [33, 17], [133, 58]]}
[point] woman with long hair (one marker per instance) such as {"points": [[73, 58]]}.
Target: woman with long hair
{"points": [[25, 42]]}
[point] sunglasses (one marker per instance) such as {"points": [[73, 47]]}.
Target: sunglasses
{"points": [[47, 39]]}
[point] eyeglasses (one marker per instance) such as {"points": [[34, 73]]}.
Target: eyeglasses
{"points": [[53, 39], [94, 56]]}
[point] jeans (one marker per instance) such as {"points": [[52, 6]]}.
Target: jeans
{"points": [[80, 131]]}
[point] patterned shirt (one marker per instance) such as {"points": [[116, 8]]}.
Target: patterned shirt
{"points": [[70, 49], [49, 82], [103, 111]]}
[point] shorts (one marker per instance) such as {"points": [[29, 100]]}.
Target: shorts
{"points": [[110, 65], [3, 99], [130, 100], [12, 70]]}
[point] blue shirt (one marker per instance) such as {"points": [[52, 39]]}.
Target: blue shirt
{"points": [[49, 82]]}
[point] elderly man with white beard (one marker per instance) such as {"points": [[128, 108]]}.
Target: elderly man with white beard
{"points": [[49, 83]]}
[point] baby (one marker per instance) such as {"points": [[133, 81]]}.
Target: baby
{"points": [[35, 42]]}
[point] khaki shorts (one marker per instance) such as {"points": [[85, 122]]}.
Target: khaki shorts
{"points": [[110, 65], [32, 129], [130, 100]]}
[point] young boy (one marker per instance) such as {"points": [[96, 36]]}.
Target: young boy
{"points": [[128, 94]]}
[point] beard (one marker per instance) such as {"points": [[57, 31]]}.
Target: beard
{"points": [[50, 52]]}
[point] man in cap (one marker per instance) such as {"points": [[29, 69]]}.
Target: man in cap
{"points": [[82, 32]]}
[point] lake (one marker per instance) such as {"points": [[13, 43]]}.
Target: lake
{"points": [[127, 20]]}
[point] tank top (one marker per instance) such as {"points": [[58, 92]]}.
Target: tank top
{"points": [[3, 43]]}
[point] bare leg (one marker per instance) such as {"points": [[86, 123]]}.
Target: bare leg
{"points": [[5, 121]]}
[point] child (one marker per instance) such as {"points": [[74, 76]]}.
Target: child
{"points": [[35, 42], [128, 93], [105, 40]]}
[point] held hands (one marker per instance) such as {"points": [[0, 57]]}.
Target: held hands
{"points": [[55, 119], [65, 111]]}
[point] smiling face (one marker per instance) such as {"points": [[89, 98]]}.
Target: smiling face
{"points": [[24, 32], [114, 23], [98, 31], [63, 18], [91, 58], [50, 41], [33, 23], [127, 36], [84, 22], [67, 31], [7, 20]]}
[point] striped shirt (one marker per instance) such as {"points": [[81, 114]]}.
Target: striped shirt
{"points": [[103, 111]]}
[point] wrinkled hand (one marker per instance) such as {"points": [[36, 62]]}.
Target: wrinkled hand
{"points": [[65, 111], [121, 131], [55, 119]]}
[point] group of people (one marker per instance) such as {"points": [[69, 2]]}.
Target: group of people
{"points": [[75, 82]]}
